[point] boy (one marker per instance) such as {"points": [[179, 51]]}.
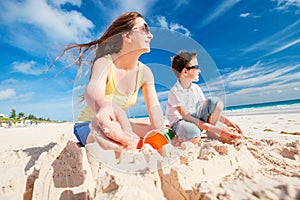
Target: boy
{"points": [[189, 112]]}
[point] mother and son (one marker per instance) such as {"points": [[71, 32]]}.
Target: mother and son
{"points": [[116, 77]]}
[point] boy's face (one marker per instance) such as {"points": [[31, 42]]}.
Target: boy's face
{"points": [[192, 71]]}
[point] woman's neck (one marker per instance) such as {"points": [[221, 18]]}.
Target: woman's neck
{"points": [[126, 61]]}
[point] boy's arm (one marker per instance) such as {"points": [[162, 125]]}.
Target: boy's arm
{"points": [[230, 123], [187, 117], [223, 132]]}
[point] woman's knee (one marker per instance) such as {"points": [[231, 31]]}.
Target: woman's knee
{"points": [[90, 138]]}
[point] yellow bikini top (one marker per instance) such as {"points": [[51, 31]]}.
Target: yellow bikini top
{"points": [[113, 94]]}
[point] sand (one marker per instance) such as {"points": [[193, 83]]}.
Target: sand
{"points": [[45, 162]]}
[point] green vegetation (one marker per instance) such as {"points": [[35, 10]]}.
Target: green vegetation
{"points": [[13, 118]]}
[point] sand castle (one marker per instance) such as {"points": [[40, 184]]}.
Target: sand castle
{"points": [[209, 170]]}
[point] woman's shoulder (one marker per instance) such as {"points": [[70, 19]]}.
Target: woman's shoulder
{"points": [[146, 72], [144, 68], [104, 61]]}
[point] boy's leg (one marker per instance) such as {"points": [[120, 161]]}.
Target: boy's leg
{"points": [[187, 131], [215, 116], [210, 112]]}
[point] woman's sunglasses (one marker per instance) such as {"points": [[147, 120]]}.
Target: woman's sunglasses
{"points": [[144, 29], [192, 67]]}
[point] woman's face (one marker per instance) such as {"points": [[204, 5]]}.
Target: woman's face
{"points": [[140, 36]]}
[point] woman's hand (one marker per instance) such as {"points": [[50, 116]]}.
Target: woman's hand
{"points": [[112, 123], [107, 143]]}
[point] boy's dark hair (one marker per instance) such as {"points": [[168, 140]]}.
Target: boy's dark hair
{"points": [[181, 60]]}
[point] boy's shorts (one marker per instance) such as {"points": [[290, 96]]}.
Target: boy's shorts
{"points": [[81, 131], [188, 130], [208, 108]]}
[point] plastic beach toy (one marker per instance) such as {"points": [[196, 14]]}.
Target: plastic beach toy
{"points": [[157, 139]]}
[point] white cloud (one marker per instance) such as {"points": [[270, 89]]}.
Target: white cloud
{"points": [[245, 15], [283, 47], [285, 5], [7, 94], [26, 96], [267, 93], [9, 81], [142, 7], [163, 22], [32, 24], [114, 8], [260, 74], [180, 28], [248, 15], [26, 68], [276, 40], [261, 83], [62, 2], [172, 26], [220, 10]]}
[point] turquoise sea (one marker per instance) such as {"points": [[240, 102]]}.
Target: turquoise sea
{"points": [[265, 105], [287, 106]]}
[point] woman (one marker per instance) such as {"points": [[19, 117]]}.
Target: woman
{"points": [[116, 77]]}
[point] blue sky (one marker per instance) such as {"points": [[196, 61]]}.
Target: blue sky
{"points": [[248, 50]]}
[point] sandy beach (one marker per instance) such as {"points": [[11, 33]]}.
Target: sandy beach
{"points": [[45, 162]]}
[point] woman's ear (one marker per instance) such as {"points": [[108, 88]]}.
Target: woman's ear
{"points": [[126, 37]]}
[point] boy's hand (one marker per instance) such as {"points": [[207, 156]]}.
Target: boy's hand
{"points": [[229, 133], [235, 126]]}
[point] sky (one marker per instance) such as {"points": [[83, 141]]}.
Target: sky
{"points": [[248, 51]]}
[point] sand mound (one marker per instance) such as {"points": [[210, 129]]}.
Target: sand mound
{"points": [[250, 169]]}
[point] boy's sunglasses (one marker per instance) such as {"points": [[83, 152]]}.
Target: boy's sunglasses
{"points": [[144, 29], [192, 67]]}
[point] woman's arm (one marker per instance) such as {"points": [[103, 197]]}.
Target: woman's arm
{"points": [[150, 96], [95, 89], [104, 110]]}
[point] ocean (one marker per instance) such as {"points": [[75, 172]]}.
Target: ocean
{"points": [[287, 106]]}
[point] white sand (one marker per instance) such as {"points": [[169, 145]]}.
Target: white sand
{"points": [[44, 162]]}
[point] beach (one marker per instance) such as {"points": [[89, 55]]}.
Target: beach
{"points": [[45, 162]]}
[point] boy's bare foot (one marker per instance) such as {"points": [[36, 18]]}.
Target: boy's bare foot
{"points": [[195, 140], [176, 142]]}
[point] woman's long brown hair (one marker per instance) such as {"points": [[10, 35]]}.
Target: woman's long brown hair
{"points": [[110, 42]]}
